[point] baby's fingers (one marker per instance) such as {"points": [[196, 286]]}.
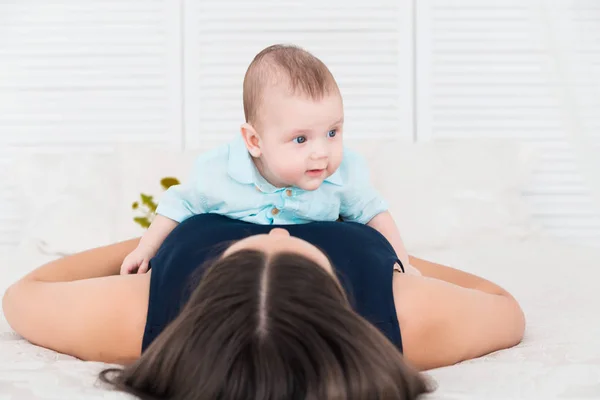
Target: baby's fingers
{"points": [[129, 266], [125, 268], [143, 267]]}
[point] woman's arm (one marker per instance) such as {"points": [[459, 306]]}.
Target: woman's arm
{"points": [[455, 276], [101, 261], [77, 306], [447, 316]]}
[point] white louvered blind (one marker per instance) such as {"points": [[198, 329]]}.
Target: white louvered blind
{"points": [[85, 73], [502, 69], [366, 44], [573, 27]]}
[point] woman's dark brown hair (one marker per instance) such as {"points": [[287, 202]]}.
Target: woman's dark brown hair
{"points": [[269, 327]]}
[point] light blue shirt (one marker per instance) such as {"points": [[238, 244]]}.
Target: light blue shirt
{"points": [[225, 181]]}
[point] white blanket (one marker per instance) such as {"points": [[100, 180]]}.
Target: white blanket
{"points": [[559, 358]]}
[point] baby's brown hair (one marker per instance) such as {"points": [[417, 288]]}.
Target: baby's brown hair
{"points": [[301, 71]]}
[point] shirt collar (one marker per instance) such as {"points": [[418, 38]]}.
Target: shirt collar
{"points": [[241, 168], [335, 178]]}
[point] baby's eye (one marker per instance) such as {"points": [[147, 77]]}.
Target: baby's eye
{"points": [[300, 139], [332, 133]]}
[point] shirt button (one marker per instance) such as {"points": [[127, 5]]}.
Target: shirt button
{"points": [[274, 211], [288, 192]]}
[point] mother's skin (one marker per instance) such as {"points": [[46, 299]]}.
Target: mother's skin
{"points": [[80, 305]]}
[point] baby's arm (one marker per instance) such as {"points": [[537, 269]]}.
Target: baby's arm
{"points": [[139, 258], [361, 203], [177, 204], [384, 223]]}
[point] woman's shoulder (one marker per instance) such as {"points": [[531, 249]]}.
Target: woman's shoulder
{"points": [[348, 236]]}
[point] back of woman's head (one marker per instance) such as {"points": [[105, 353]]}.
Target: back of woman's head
{"points": [[264, 327]]}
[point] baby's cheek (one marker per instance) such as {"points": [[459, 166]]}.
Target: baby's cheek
{"points": [[335, 161], [291, 169]]}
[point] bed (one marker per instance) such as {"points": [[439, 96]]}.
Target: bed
{"points": [[458, 221]]}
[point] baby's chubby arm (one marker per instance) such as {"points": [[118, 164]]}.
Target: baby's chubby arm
{"points": [[177, 204], [139, 258], [361, 203], [384, 223]]}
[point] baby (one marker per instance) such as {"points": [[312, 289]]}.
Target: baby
{"points": [[288, 166]]}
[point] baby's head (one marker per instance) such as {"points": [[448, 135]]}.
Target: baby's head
{"points": [[294, 117]]}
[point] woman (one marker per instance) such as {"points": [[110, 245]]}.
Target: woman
{"points": [[272, 315]]}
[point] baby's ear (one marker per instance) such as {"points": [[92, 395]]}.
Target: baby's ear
{"points": [[251, 139]]}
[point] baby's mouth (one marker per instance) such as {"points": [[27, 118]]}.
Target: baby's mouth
{"points": [[315, 172]]}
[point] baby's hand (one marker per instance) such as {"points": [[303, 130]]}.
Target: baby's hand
{"points": [[137, 261]]}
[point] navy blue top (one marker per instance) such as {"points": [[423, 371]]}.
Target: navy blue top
{"points": [[362, 258]]}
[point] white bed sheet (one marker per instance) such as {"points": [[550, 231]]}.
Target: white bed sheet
{"points": [[557, 285]]}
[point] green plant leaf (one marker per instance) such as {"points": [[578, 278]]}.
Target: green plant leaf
{"points": [[148, 201], [168, 182], [142, 221], [147, 204]]}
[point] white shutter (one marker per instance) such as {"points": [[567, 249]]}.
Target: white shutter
{"points": [[573, 29], [526, 69], [85, 73], [9, 217], [366, 44]]}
